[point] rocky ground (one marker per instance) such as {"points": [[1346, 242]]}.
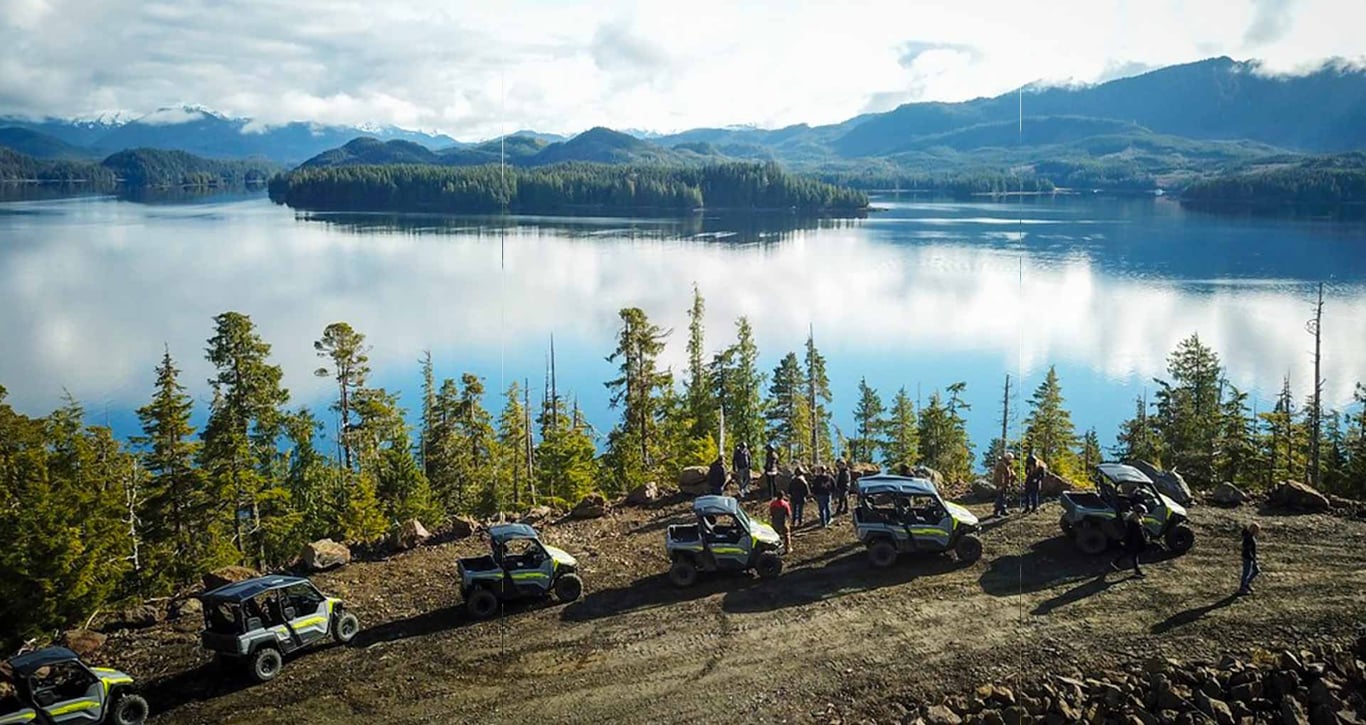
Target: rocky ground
{"points": [[832, 640]]}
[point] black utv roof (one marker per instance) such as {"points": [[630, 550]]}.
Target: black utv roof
{"points": [[26, 664], [248, 588], [501, 533]]}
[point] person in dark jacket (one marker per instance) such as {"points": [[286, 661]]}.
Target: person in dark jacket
{"points": [[1035, 470], [1250, 566], [771, 469], [716, 477], [740, 463], [843, 482], [1135, 540], [822, 486], [797, 491]]}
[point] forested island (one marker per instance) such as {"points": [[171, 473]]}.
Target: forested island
{"points": [[1316, 182], [139, 168], [89, 521], [561, 188]]}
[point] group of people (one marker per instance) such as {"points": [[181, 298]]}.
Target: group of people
{"points": [[1004, 478]]}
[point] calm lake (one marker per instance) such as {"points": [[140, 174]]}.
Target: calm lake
{"points": [[919, 295]]}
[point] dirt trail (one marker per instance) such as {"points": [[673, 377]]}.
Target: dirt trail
{"points": [[830, 638]]}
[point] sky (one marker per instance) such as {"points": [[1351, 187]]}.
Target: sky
{"points": [[477, 69]]}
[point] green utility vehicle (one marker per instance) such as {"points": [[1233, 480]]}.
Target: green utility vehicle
{"points": [[53, 685], [1095, 519], [724, 538], [900, 514], [519, 566], [258, 621]]}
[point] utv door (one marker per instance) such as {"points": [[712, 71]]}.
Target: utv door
{"points": [[930, 524], [528, 568], [10, 716], [67, 692], [729, 543], [306, 612]]}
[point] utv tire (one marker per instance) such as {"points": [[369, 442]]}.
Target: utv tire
{"points": [[882, 554], [968, 549], [683, 573], [568, 587], [265, 664], [482, 603], [345, 628], [129, 709], [769, 565], [1067, 529], [1091, 539], [1180, 539]]}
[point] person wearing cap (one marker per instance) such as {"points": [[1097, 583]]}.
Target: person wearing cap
{"points": [[1135, 540], [771, 469], [1003, 476], [843, 482], [1250, 567]]}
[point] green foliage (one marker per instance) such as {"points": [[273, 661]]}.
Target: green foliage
{"points": [[15, 166], [1188, 409], [786, 410], [147, 167], [739, 387], [1309, 181], [901, 442], [944, 444], [816, 447], [868, 416], [566, 465], [1048, 429], [634, 446], [697, 385]]}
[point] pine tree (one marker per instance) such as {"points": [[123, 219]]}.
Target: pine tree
{"points": [[512, 435], [944, 444], [1048, 429], [1235, 447], [868, 416], [566, 468], [474, 444], [239, 441], [178, 527], [1355, 444], [1090, 453], [1188, 409], [1284, 443], [426, 435], [901, 444], [786, 406], [818, 401], [743, 388], [697, 392], [1138, 438], [348, 352], [639, 391]]}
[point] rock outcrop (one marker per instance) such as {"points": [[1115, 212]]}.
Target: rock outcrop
{"points": [[228, 575], [593, 506], [82, 641], [693, 480], [1227, 494], [325, 554], [645, 494], [410, 534], [1299, 497]]}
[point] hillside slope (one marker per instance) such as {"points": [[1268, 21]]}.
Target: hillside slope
{"points": [[832, 639]]}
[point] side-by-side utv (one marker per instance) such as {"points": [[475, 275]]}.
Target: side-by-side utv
{"points": [[724, 538]]}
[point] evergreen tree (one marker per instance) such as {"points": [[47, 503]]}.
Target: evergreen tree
{"points": [[901, 444], [1236, 447], [566, 469], [1138, 438], [639, 391], [1048, 429], [178, 527], [512, 448], [1355, 444], [868, 416], [1284, 442], [1334, 451], [1090, 453], [944, 444], [818, 400], [786, 406], [347, 351], [1188, 409], [473, 444], [239, 441], [700, 405], [425, 436], [316, 487], [743, 389]]}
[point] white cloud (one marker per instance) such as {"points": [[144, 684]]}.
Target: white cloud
{"points": [[472, 69]]}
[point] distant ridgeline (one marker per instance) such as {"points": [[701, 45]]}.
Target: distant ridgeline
{"points": [[561, 188], [1315, 182], [136, 168]]}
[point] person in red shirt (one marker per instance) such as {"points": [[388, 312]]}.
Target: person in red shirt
{"points": [[780, 512]]}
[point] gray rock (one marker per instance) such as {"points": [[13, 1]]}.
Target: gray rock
{"points": [[1227, 494], [410, 534], [941, 715], [325, 554], [593, 506]]}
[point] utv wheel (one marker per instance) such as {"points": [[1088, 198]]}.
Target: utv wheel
{"points": [[1091, 540], [683, 573], [130, 709], [568, 587], [482, 603], [345, 628], [265, 664], [1066, 526], [769, 565], [968, 549], [1180, 539], [882, 554]]}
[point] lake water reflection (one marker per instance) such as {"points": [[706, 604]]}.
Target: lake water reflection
{"points": [[919, 294]]}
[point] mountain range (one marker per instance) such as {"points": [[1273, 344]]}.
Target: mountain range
{"points": [[1168, 122]]}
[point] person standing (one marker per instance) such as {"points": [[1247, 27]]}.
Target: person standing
{"points": [[716, 477], [843, 482], [821, 487], [1135, 540], [771, 469], [780, 513], [1250, 566], [798, 490], [1035, 470], [1003, 476], [740, 463]]}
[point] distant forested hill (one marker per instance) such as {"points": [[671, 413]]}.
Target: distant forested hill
{"points": [[155, 167], [1315, 181], [40, 145], [15, 166], [560, 188]]}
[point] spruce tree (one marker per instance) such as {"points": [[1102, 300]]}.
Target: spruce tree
{"points": [[868, 416], [639, 392], [944, 444], [512, 439], [743, 391], [1138, 438], [901, 442], [786, 406], [1048, 429], [818, 401], [1188, 409], [348, 353], [1090, 453], [1236, 446], [700, 404]]}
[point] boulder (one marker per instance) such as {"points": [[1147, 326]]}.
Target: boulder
{"points": [[981, 490], [1227, 494], [693, 480], [1055, 485], [1298, 496], [1168, 482], [409, 534], [82, 641], [929, 473], [536, 515], [325, 554], [643, 495], [941, 715], [593, 506], [136, 617], [463, 527], [189, 607], [228, 575]]}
